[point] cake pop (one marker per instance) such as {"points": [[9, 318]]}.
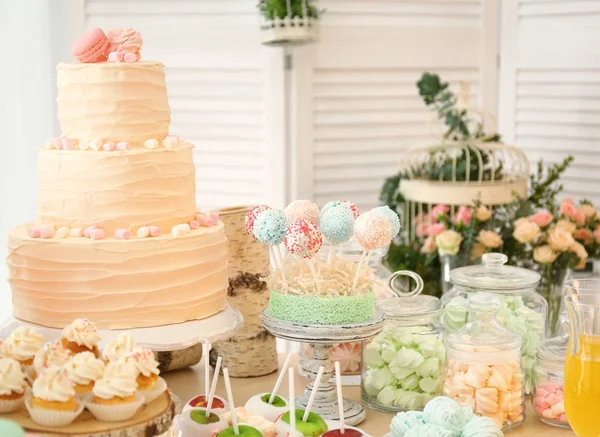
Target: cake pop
{"points": [[391, 217], [251, 217], [270, 226], [337, 225], [302, 210], [341, 203], [303, 238], [372, 230]]}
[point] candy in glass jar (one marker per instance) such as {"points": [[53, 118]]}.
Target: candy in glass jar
{"points": [[523, 309], [402, 366], [484, 365]]}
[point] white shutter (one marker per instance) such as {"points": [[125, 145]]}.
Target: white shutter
{"points": [[550, 86], [225, 90], [356, 102]]}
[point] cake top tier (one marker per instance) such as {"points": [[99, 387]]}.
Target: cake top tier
{"points": [[113, 101]]}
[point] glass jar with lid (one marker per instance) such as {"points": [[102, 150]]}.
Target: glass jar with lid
{"points": [[523, 309], [548, 392], [402, 366], [484, 364]]}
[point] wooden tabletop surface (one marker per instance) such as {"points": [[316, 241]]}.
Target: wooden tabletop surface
{"points": [[188, 383]]}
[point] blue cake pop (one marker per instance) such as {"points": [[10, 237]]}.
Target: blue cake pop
{"points": [[270, 226], [391, 216], [337, 225]]}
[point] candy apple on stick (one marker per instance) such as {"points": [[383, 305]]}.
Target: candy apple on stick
{"points": [[270, 405]]}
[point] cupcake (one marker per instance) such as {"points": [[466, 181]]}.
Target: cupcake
{"points": [[13, 383], [120, 348], [149, 384], [114, 396], [81, 336], [22, 344], [53, 402], [51, 354], [83, 371]]}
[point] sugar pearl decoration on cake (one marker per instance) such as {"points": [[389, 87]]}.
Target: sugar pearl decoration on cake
{"points": [[251, 217], [97, 234], [83, 145], [66, 143], [171, 142], [47, 231], [76, 232], [122, 145], [207, 219], [302, 210], [87, 231]]}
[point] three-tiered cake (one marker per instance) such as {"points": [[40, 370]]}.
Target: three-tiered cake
{"points": [[118, 238]]}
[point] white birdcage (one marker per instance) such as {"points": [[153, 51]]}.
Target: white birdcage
{"points": [[437, 174], [288, 22]]}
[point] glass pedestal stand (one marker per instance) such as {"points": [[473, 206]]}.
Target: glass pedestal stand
{"points": [[321, 339]]}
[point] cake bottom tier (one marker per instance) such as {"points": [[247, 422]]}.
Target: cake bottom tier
{"points": [[118, 284]]}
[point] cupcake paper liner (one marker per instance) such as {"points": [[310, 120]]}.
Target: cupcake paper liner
{"points": [[155, 391], [114, 413], [8, 406], [52, 418]]}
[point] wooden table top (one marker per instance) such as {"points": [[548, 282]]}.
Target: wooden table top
{"points": [[188, 383]]}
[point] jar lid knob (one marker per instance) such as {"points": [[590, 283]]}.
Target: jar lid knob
{"points": [[494, 260], [401, 293]]}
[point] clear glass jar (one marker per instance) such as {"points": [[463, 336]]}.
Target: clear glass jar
{"points": [[548, 391], [523, 309], [402, 366], [484, 364]]}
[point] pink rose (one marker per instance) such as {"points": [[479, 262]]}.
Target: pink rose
{"points": [[464, 216], [579, 250], [490, 239], [422, 230], [597, 234], [568, 200], [567, 209], [439, 210], [542, 218], [583, 234], [578, 217], [588, 210], [437, 229], [429, 245], [559, 239], [420, 218]]}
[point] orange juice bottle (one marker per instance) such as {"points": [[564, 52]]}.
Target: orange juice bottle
{"points": [[582, 387]]}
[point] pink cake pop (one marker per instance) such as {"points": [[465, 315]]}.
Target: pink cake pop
{"points": [[303, 238], [372, 231], [251, 216], [302, 210]]}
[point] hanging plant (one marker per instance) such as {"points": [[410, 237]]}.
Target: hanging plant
{"points": [[288, 22]]}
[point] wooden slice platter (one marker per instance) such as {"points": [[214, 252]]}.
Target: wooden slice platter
{"points": [[151, 420]]}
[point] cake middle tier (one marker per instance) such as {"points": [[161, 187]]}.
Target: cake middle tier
{"points": [[114, 190]]}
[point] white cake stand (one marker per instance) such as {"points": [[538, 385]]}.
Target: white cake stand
{"points": [[321, 339], [159, 338]]}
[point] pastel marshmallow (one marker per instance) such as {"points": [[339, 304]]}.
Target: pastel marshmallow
{"points": [[122, 145], [62, 232], [49, 144], [109, 147], [171, 141], [97, 234], [67, 144], [96, 144], [115, 56], [84, 145], [76, 232], [34, 232], [87, 231], [143, 232], [151, 144], [123, 234], [57, 143], [47, 231], [181, 229], [154, 231], [130, 57], [194, 224]]}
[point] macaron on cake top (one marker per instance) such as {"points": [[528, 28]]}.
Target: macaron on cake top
{"points": [[91, 46]]}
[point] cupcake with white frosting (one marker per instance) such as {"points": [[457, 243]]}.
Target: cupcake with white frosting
{"points": [[81, 336], [53, 401], [114, 396], [49, 355], [13, 384], [22, 344], [149, 383], [120, 348], [83, 371]]}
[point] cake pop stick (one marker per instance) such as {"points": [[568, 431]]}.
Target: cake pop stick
{"points": [[338, 383], [236, 428], [292, 401], [213, 387], [206, 351], [286, 363], [356, 275], [337, 225], [303, 238], [313, 394]]}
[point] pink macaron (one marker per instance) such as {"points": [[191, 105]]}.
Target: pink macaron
{"points": [[92, 46]]}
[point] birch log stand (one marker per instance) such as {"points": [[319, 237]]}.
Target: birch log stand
{"points": [[152, 420], [252, 351]]}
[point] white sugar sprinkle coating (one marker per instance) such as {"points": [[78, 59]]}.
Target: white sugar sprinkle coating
{"points": [[302, 210], [372, 231]]}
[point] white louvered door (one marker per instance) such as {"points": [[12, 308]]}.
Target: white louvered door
{"points": [[550, 86], [356, 102], [225, 89]]}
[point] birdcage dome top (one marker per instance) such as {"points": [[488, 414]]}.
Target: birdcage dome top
{"points": [[458, 172]]}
